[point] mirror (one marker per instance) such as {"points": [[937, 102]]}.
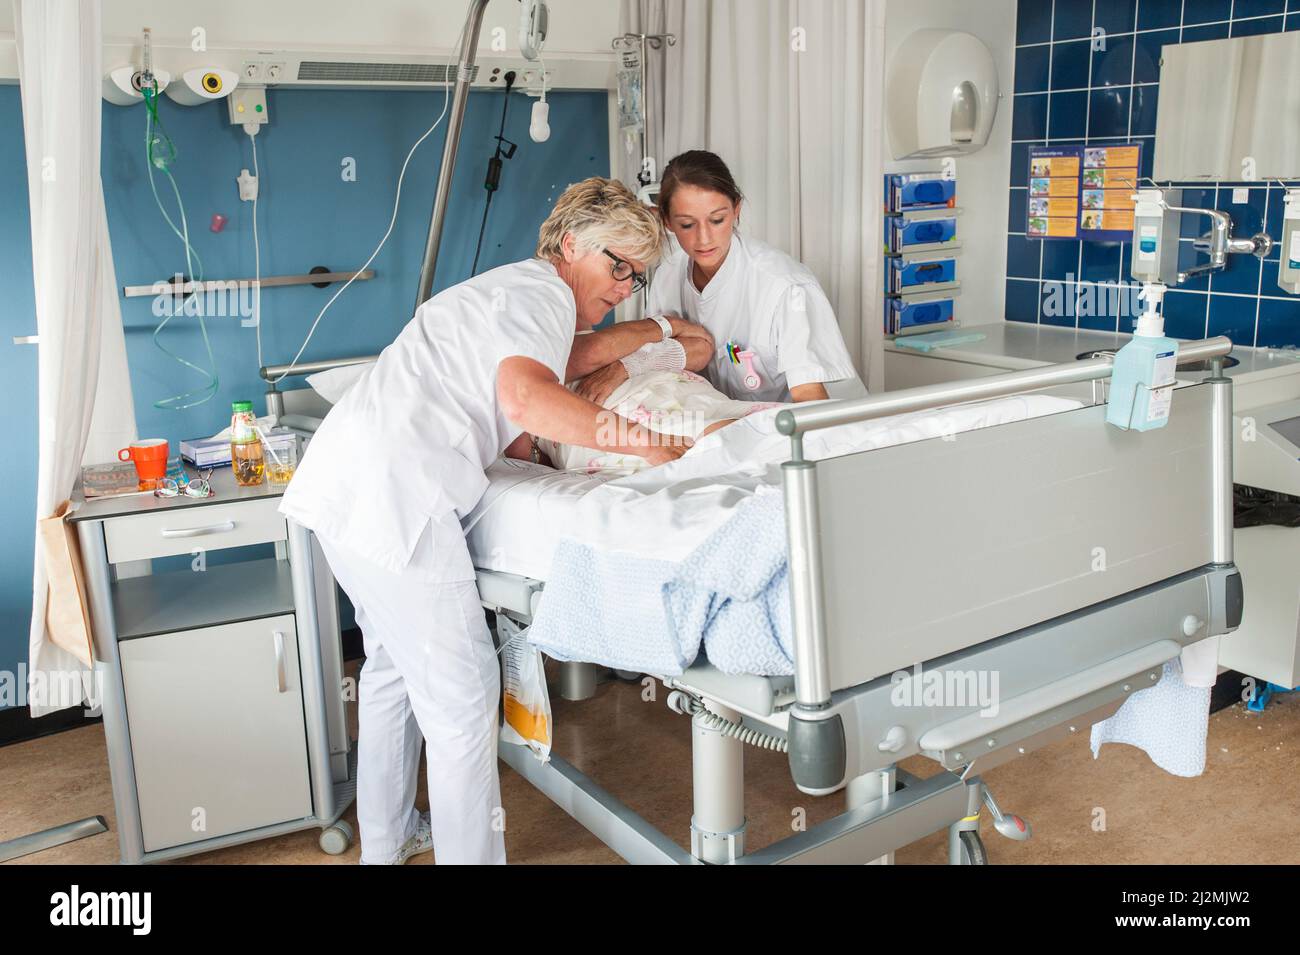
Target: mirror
{"points": [[1227, 104]]}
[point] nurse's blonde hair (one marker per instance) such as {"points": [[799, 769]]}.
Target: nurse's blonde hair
{"points": [[602, 214]]}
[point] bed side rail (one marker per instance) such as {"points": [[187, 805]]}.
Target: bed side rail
{"points": [[980, 534]]}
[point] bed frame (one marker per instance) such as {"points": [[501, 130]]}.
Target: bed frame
{"points": [[1067, 558]]}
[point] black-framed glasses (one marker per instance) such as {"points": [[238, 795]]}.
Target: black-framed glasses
{"points": [[622, 271]]}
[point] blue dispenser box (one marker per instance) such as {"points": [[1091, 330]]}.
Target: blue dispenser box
{"points": [[901, 315], [905, 276], [902, 234], [919, 190]]}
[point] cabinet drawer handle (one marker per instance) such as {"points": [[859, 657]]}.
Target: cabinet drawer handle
{"points": [[280, 686], [199, 531]]}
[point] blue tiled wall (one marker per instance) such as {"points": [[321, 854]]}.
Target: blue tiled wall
{"points": [[1068, 94], [308, 215]]}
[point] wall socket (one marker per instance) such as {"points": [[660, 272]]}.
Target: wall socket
{"points": [[262, 71]]}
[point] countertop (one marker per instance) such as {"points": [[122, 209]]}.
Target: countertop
{"points": [[222, 482], [1019, 345]]}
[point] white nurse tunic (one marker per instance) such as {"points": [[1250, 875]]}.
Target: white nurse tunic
{"points": [[383, 483], [759, 300]]}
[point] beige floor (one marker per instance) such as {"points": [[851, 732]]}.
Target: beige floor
{"points": [[1119, 809]]}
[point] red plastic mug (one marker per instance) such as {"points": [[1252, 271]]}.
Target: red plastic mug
{"points": [[150, 457]]}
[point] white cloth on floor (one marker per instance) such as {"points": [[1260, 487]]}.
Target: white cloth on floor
{"points": [[1201, 662], [1169, 722]]}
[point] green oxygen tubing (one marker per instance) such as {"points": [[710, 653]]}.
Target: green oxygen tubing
{"points": [[160, 153]]}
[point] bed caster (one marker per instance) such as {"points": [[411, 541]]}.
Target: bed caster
{"points": [[336, 839], [972, 848]]}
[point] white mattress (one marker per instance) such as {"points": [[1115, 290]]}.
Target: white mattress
{"points": [[664, 513]]}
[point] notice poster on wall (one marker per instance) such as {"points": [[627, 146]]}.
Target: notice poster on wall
{"points": [[1054, 192], [1082, 192], [1110, 177]]}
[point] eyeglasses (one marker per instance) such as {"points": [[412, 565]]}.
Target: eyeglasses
{"points": [[198, 487], [622, 271]]}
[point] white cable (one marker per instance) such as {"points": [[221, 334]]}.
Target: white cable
{"points": [[397, 200], [257, 250]]}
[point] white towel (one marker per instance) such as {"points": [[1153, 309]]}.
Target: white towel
{"points": [[1169, 722]]}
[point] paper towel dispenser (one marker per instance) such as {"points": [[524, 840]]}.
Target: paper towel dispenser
{"points": [[941, 95]]}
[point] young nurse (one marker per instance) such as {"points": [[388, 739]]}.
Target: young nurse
{"points": [[774, 332]]}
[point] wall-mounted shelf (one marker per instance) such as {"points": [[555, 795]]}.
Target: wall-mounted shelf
{"points": [[934, 289], [930, 248], [924, 329], [320, 279], [933, 212], [932, 294]]}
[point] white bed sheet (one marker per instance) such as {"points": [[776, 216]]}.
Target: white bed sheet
{"points": [[523, 514]]}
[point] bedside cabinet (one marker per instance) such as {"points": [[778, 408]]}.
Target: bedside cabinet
{"points": [[221, 681]]}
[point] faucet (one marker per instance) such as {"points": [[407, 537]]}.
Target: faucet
{"points": [[1218, 242]]}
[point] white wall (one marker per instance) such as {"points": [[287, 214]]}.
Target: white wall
{"points": [[386, 26], [982, 178], [578, 53]]}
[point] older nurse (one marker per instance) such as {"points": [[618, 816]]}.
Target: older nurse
{"points": [[401, 458]]}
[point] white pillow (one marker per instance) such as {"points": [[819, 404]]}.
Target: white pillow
{"points": [[332, 385]]}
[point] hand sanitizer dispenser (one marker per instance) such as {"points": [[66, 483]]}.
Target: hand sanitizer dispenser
{"points": [[1288, 276], [1155, 236], [1142, 381]]}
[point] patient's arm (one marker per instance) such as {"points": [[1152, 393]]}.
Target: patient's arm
{"points": [[689, 352], [813, 391], [699, 351], [593, 350], [532, 398]]}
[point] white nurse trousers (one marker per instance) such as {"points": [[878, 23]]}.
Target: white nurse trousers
{"points": [[430, 671]]}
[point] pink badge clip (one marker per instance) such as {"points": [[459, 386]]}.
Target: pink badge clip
{"points": [[752, 380]]}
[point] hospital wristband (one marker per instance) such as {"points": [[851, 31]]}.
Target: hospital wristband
{"points": [[665, 326]]}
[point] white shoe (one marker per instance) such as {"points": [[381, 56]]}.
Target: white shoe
{"points": [[420, 842]]}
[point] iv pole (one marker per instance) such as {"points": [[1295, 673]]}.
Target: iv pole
{"points": [[652, 41], [645, 42], [464, 73]]}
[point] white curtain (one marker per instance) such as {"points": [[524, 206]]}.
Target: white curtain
{"points": [[790, 93], [85, 407]]}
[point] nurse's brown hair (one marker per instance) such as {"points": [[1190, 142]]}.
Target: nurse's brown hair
{"points": [[699, 168]]}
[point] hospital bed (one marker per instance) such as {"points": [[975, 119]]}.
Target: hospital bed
{"points": [[1071, 559]]}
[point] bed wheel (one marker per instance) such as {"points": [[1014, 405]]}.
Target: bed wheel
{"points": [[972, 848], [628, 676], [336, 839]]}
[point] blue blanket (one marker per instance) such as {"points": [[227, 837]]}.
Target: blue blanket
{"points": [[730, 596]]}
